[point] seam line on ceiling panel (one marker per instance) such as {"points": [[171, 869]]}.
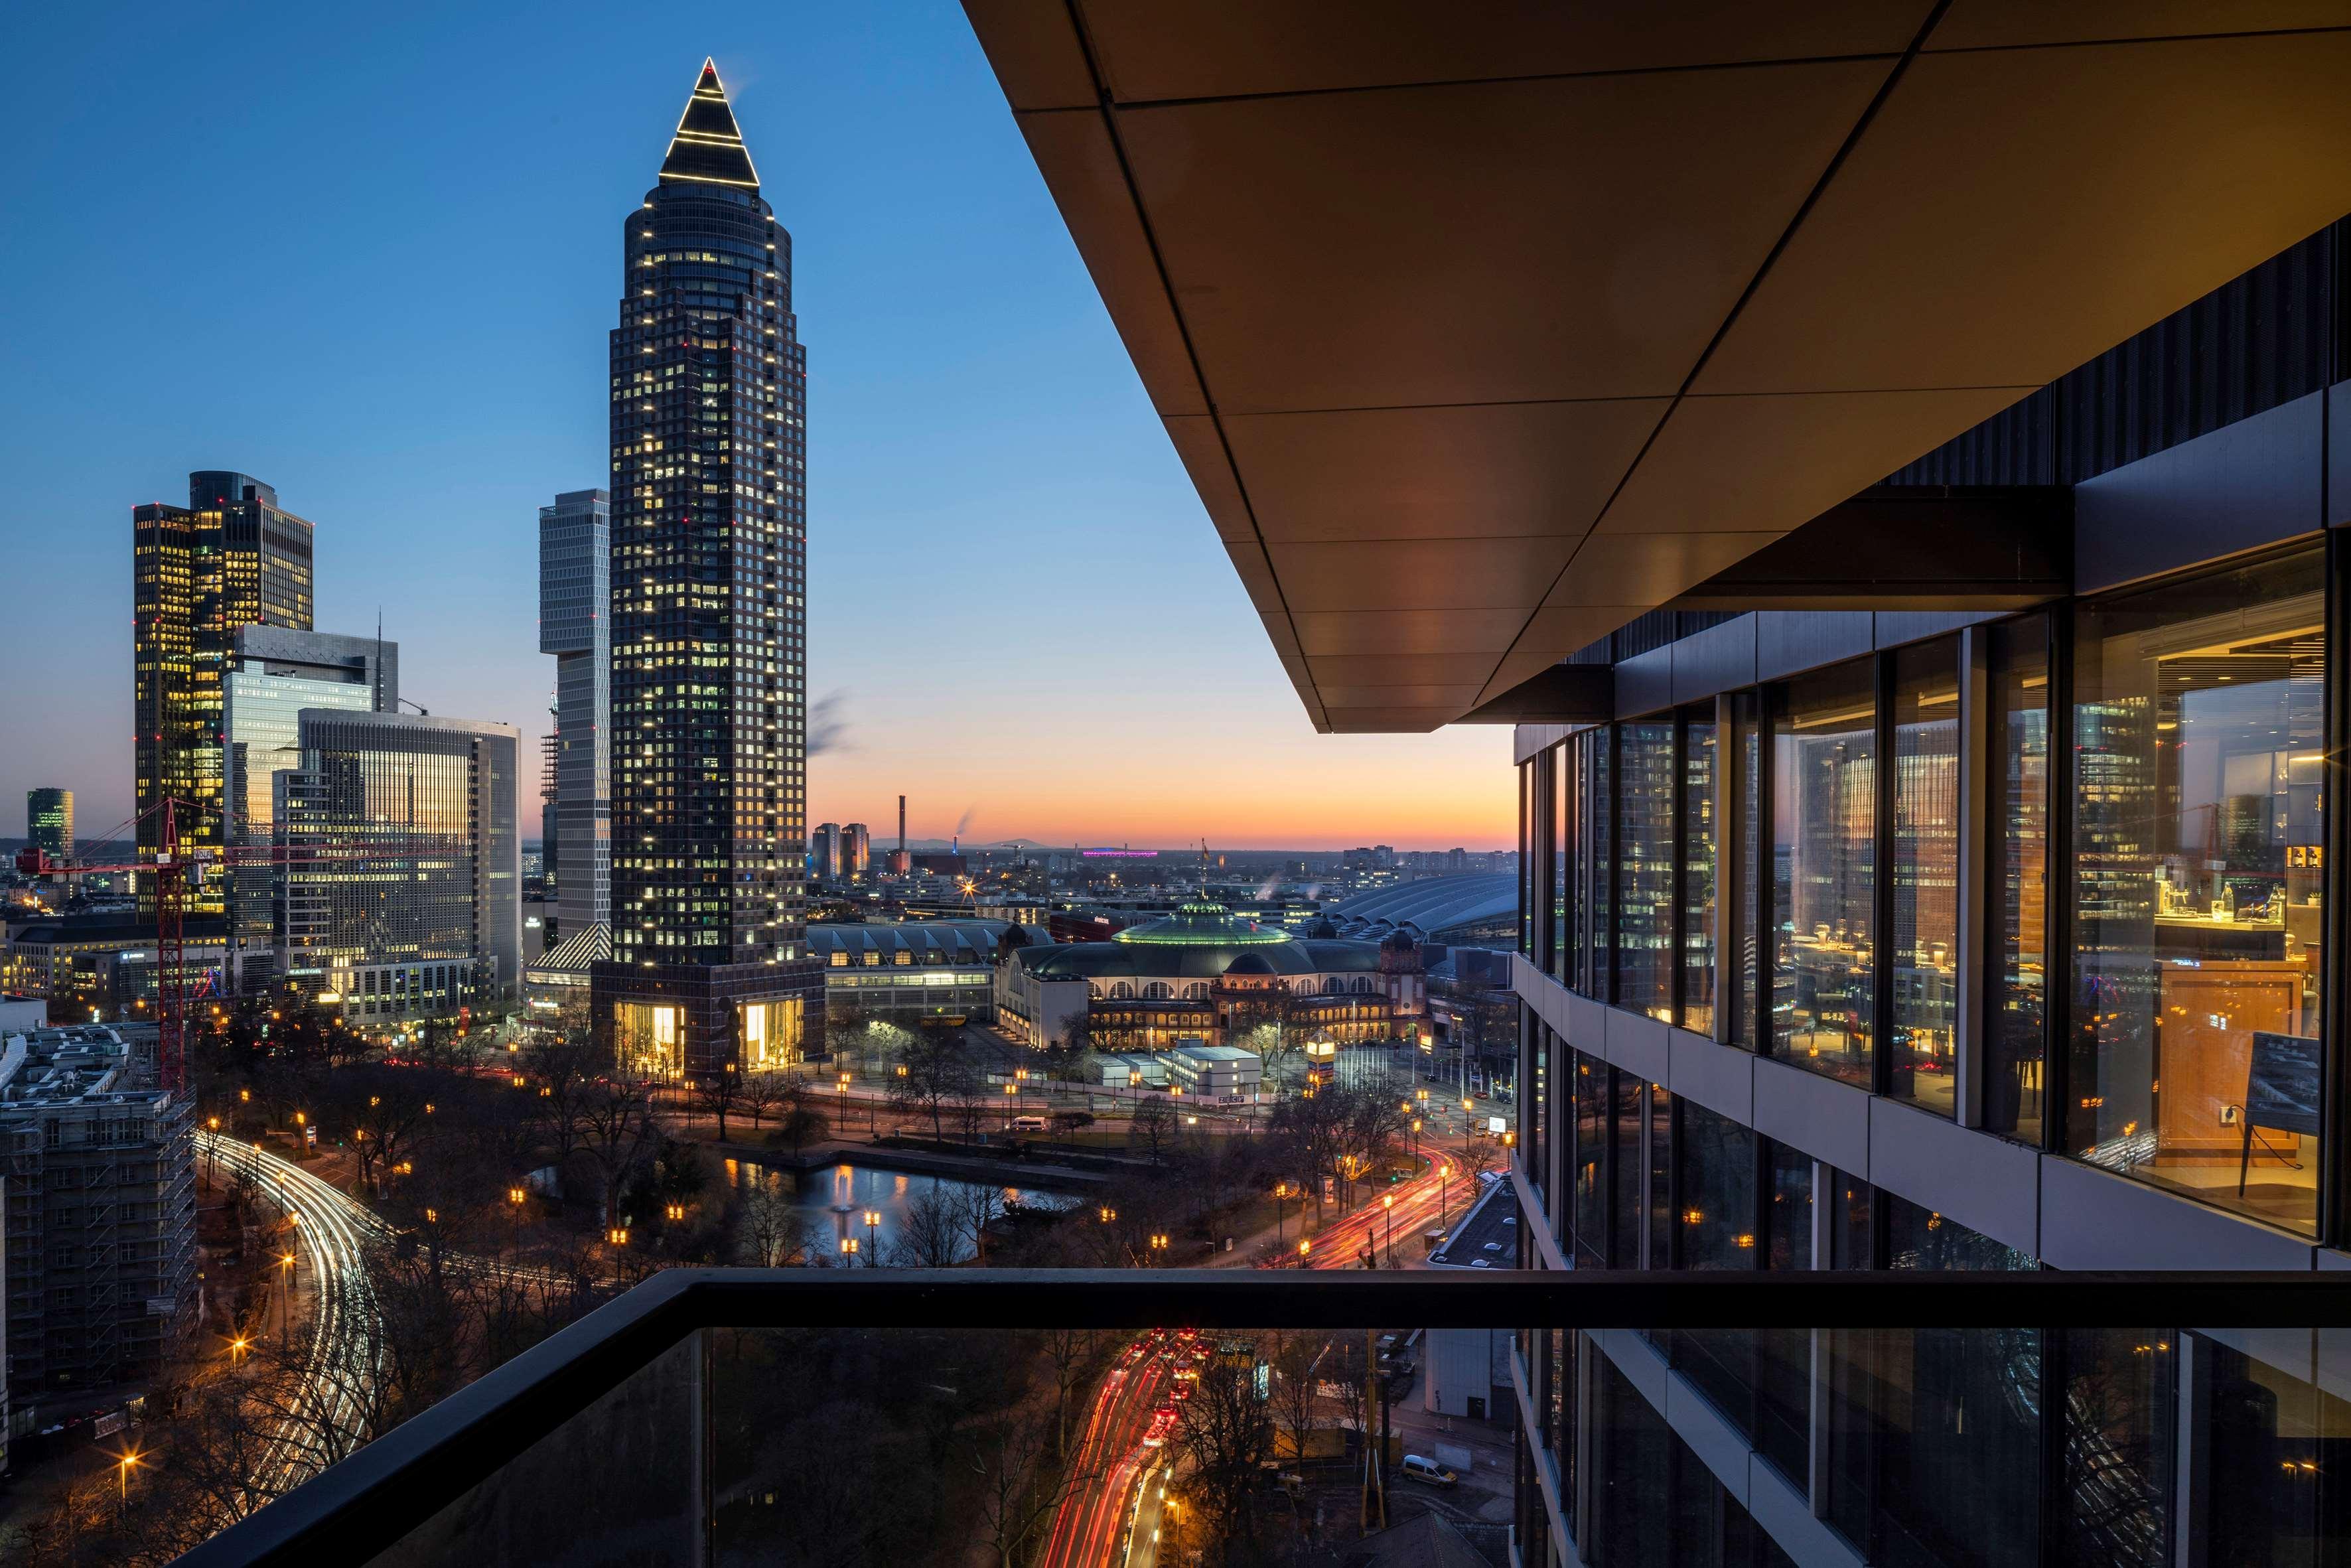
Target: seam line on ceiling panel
{"points": [[1803, 210], [1107, 107], [1515, 79]]}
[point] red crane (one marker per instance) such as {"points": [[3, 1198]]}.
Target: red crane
{"points": [[176, 869]]}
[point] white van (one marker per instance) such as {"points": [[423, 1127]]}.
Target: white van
{"points": [[1030, 1124], [1417, 1468]]}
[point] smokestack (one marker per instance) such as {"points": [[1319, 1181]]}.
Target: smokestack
{"points": [[901, 824]]}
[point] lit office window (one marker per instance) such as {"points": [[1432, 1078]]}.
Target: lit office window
{"points": [[1823, 853], [1922, 949], [2016, 965], [1697, 848], [2196, 1062], [1644, 866]]}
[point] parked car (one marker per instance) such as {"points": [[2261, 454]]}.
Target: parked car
{"points": [[1419, 1469]]}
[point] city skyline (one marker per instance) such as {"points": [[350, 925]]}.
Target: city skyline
{"points": [[970, 392]]}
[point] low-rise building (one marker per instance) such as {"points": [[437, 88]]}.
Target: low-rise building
{"points": [[1215, 1071], [97, 1167], [920, 972]]}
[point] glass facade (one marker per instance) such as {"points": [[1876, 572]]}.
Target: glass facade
{"points": [[1922, 949], [1647, 792], [2197, 849], [2016, 959], [1823, 871], [1696, 835]]}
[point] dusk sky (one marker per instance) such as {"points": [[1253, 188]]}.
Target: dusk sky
{"points": [[374, 266]]}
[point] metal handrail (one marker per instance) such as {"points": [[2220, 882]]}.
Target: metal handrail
{"points": [[403, 1479]]}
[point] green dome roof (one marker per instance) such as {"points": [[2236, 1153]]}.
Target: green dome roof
{"points": [[1201, 923]]}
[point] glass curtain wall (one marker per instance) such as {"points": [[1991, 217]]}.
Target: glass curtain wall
{"points": [[1749, 919], [2198, 733], [1922, 949], [1568, 940], [1823, 871], [1644, 866], [1698, 860], [1594, 859], [2016, 968]]}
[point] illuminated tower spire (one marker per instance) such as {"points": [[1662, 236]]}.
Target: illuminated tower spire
{"points": [[708, 147]]}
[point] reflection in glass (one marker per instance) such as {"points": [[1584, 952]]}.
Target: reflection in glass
{"points": [[2017, 970], [1567, 942], [1698, 873], [1923, 949], [1715, 1158], [1594, 859], [1644, 866], [2197, 844], [1741, 977], [1824, 816]]}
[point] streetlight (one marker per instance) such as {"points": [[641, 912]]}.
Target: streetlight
{"points": [[1444, 1202], [1280, 1191], [286, 1310], [212, 1147], [1159, 1241], [873, 1236], [618, 1236], [1305, 1250], [1011, 1100], [123, 1474], [1388, 1204], [848, 1248], [1415, 1140]]}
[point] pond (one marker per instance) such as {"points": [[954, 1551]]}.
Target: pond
{"points": [[833, 1201]]}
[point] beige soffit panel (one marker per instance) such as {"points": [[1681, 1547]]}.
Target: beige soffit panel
{"points": [[1400, 631], [1073, 151], [1202, 448], [1773, 462], [1418, 574], [1953, 249], [1213, 48], [2006, 23], [1320, 247], [1471, 470], [1035, 52]]}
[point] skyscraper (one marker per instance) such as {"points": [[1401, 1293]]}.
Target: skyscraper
{"points": [[709, 961], [856, 850], [229, 558], [428, 917], [49, 822], [824, 850], [273, 674], [575, 624]]}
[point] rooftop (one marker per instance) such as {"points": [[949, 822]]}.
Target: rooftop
{"points": [[1430, 905], [1201, 923]]}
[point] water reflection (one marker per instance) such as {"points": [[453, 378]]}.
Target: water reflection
{"points": [[895, 1217]]}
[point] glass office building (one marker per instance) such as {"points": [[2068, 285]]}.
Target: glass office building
{"points": [[227, 560], [50, 822], [273, 674], [574, 625], [709, 690], [2005, 946], [400, 895]]}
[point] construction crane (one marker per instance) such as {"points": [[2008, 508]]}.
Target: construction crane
{"points": [[180, 869]]}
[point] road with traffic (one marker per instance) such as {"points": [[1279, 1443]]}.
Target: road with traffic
{"points": [[1094, 1525]]}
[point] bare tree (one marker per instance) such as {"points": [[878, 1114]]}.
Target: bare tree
{"points": [[799, 1121], [1225, 1433], [617, 1128], [930, 1233], [774, 1233], [765, 1094], [719, 1096], [1297, 1363], [977, 1206], [1072, 1355], [1018, 1480], [1154, 1126], [930, 1077]]}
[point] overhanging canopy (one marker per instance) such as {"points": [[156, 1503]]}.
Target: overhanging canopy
{"points": [[1483, 329]]}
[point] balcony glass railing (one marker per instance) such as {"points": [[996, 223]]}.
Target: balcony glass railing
{"points": [[1138, 1417]]}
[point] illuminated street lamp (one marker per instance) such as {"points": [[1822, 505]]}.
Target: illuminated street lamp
{"points": [[1305, 1249], [674, 1211], [123, 1472], [618, 1236], [1388, 1204], [515, 1196], [848, 1248], [1444, 1180], [1011, 1104], [873, 1236]]}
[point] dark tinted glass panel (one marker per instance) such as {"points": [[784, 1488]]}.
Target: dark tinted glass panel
{"points": [[1596, 859], [2198, 736], [2115, 1472], [2016, 968], [1661, 1226], [1626, 1174], [1715, 1162], [1850, 1245], [1566, 939], [1823, 856], [2276, 1443], [1934, 1445], [1697, 855], [1788, 1214], [1919, 1238], [1923, 947], [1644, 866], [1591, 1160], [1527, 858], [1632, 1493]]}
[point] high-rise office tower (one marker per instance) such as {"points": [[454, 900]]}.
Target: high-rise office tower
{"points": [[709, 962], [575, 625], [273, 674], [857, 849], [229, 558], [49, 822], [824, 850], [414, 906]]}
